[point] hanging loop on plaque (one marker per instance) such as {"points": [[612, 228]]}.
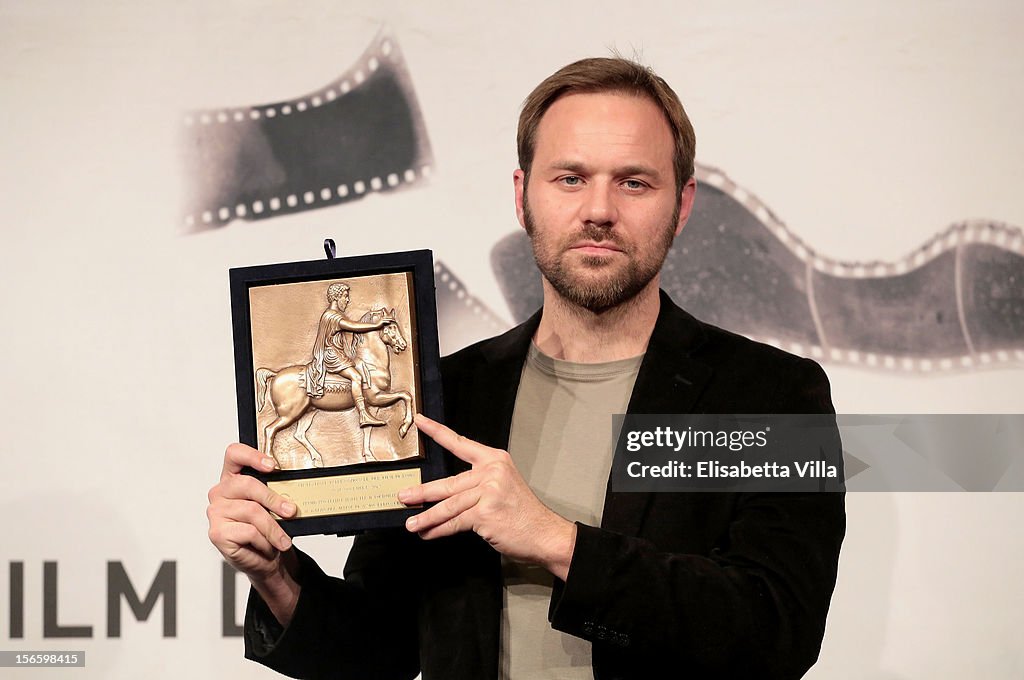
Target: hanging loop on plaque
{"points": [[330, 248]]}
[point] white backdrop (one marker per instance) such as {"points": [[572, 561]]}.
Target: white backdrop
{"points": [[866, 126]]}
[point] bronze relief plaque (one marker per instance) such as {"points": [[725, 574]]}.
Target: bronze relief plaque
{"points": [[332, 359]]}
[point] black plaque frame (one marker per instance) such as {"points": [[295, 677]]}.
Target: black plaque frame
{"points": [[418, 263]]}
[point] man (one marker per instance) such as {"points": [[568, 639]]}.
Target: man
{"points": [[639, 585], [330, 355]]}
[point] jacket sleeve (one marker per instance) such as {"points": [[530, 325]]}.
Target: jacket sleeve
{"points": [[343, 628], [753, 606]]}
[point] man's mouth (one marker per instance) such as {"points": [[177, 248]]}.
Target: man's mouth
{"points": [[595, 247]]}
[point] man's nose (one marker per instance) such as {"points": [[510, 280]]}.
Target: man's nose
{"points": [[599, 207]]}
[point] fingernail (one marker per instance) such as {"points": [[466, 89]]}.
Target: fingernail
{"points": [[268, 463], [404, 495], [411, 523], [286, 543], [287, 508]]}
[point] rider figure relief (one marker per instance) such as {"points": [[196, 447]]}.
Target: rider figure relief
{"points": [[330, 354]]}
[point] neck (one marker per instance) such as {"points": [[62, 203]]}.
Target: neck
{"points": [[573, 333]]}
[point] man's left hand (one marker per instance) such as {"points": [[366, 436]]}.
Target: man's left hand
{"points": [[493, 500]]}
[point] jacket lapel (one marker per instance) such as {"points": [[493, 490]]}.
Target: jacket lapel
{"points": [[492, 418], [489, 421], [669, 381]]}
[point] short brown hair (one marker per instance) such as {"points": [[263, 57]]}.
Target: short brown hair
{"points": [[608, 74]]}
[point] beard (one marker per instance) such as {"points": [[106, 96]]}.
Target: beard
{"points": [[597, 284]]}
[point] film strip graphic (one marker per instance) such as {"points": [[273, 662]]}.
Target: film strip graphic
{"points": [[979, 268], [362, 133], [462, 318], [954, 304]]}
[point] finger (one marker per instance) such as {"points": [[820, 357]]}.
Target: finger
{"points": [[446, 518], [462, 447], [233, 538], [244, 487], [238, 456], [439, 489], [248, 512]]}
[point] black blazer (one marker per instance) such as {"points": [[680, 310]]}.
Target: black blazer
{"points": [[702, 585]]}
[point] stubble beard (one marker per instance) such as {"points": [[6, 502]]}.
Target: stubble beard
{"points": [[598, 284]]}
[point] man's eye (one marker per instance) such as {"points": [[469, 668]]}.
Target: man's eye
{"points": [[571, 180], [633, 184]]}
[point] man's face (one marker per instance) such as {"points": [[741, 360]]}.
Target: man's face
{"points": [[343, 300], [602, 208]]}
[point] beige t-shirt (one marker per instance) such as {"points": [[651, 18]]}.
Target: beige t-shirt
{"points": [[561, 442]]}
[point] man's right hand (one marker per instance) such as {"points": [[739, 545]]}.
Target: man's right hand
{"points": [[248, 536]]}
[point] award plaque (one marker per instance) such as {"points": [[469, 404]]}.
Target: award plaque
{"points": [[332, 360]]}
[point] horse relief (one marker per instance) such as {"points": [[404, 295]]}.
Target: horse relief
{"points": [[350, 370]]}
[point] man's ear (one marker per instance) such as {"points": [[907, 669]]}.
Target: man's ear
{"points": [[686, 203], [519, 180]]}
